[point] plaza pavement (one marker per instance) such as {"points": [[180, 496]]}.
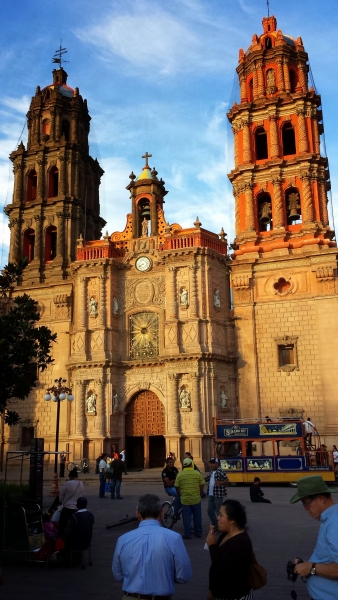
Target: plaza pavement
{"points": [[279, 532]]}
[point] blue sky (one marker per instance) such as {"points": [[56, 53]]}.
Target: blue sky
{"points": [[159, 76]]}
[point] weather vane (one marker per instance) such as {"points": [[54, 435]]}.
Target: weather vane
{"points": [[58, 56], [268, 5]]}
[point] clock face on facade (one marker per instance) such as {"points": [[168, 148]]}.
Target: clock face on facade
{"points": [[143, 263]]}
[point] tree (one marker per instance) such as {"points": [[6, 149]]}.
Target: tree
{"points": [[24, 348]]}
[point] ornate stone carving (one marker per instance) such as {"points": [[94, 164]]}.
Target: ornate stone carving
{"points": [[278, 214], [144, 335], [92, 307], [62, 306], [249, 211], [302, 132], [307, 199], [140, 291], [91, 404], [271, 81], [185, 399]]}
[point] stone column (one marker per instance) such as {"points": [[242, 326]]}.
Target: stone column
{"points": [[302, 133], [76, 177], [280, 75], [174, 408], [52, 126], [62, 180], [102, 305], [235, 132], [100, 409], [83, 303], [302, 77], [244, 97], [277, 204], [255, 84], [15, 246], [237, 211], [324, 217], [249, 211], [315, 132], [193, 291], [41, 178], [195, 403], [274, 145], [286, 77], [246, 142], [74, 129], [173, 293], [38, 238], [60, 239], [307, 200], [18, 171], [57, 125], [80, 401], [260, 79]]}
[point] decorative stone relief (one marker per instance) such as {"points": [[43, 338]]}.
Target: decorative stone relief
{"points": [[281, 285], [223, 398], [144, 291], [62, 308], [93, 307], [91, 404], [183, 298], [217, 299], [185, 399], [139, 292]]}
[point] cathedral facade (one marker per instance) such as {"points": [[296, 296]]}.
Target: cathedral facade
{"points": [[148, 339]]}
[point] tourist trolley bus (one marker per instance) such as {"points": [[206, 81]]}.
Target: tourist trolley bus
{"points": [[276, 450]]}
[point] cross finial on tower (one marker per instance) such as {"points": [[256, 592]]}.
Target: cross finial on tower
{"points": [[146, 156], [58, 56]]}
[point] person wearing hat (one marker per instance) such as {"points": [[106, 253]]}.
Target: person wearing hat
{"points": [[216, 491], [321, 570], [189, 484]]}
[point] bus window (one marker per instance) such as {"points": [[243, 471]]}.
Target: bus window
{"points": [[267, 448]]}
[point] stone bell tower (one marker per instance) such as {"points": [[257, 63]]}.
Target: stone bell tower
{"points": [[56, 183], [284, 268]]}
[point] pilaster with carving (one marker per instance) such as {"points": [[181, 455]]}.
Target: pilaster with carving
{"points": [[62, 186], [173, 298], [195, 403], [302, 77], [280, 75], [255, 84], [302, 133], [83, 303], [60, 239], [286, 77], [102, 307], [278, 213], [243, 88], [76, 177], [237, 211], [260, 79], [307, 201], [41, 179], [315, 132], [193, 291], [324, 217], [38, 238], [18, 170], [246, 142], [274, 146], [100, 409], [80, 401], [235, 132], [57, 124], [249, 209], [174, 409], [15, 225]]}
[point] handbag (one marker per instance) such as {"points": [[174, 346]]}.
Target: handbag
{"points": [[109, 474], [258, 576]]}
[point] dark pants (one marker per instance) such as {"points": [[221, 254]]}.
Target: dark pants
{"points": [[102, 485], [194, 511], [62, 469], [66, 513], [115, 483]]}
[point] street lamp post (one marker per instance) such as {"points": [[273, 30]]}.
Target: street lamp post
{"points": [[57, 393]]}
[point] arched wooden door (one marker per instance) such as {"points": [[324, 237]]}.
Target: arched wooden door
{"points": [[145, 428]]}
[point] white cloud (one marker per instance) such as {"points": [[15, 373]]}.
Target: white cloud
{"points": [[17, 104]]}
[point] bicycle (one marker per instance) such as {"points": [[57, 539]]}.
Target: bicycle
{"points": [[84, 466], [169, 519], [124, 521]]}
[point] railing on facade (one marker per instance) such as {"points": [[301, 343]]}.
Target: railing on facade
{"points": [[195, 240], [97, 252]]}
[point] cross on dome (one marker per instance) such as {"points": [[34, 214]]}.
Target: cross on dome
{"points": [[146, 156]]}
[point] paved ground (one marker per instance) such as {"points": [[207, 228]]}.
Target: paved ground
{"points": [[279, 532]]}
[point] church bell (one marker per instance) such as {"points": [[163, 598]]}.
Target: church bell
{"points": [[145, 212], [265, 215], [293, 216]]}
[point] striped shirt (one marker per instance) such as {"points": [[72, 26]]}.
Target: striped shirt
{"points": [[189, 481]]}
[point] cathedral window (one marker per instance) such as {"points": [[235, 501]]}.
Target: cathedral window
{"points": [[65, 129], [27, 435], [46, 127], [293, 80], [50, 243], [264, 212], [32, 182], [261, 143], [144, 341], [250, 90], [288, 139], [287, 359], [53, 188], [28, 244], [268, 43], [293, 207]]}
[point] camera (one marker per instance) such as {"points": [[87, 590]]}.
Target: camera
{"points": [[290, 569]]}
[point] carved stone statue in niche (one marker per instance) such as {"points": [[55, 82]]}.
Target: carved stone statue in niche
{"points": [[144, 228], [270, 81], [115, 403], [223, 399], [92, 306], [185, 400], [115, 306], [91, 404], [184, 297], [217, 299]]}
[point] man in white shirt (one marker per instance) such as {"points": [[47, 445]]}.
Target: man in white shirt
{"points": [[309, 429], [71, 491], [102, 474]]}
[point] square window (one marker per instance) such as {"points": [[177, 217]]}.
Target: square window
{"points": [[286, 355]]}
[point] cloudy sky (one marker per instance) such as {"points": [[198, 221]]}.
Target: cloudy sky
{"points": [[159, 76]]}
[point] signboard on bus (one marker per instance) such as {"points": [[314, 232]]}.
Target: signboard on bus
{"points": [[259, 430]]}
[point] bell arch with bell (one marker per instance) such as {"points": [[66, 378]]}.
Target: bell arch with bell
{"points": [[264, 212]]}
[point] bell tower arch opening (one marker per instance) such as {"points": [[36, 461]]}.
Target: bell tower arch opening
{"points": [[145, 429]]}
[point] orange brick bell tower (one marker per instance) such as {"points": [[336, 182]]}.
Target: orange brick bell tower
{"points": [[284, 268]]}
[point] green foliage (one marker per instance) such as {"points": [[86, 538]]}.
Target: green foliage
{"points": [[24, 349], [11, 274]]}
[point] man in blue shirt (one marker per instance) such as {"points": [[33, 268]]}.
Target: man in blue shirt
{"points": [[151, 559], [321, 570]]}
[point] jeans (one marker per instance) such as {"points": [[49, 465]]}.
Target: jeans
{"points": [[102, 480], [171, 491], [194, 510], [115, 483], [214, 504]]}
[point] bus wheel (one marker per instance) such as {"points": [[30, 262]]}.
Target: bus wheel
{"points": [[293, 483]]}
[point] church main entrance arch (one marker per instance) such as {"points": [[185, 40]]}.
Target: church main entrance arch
{"points": [[145, 429]]}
